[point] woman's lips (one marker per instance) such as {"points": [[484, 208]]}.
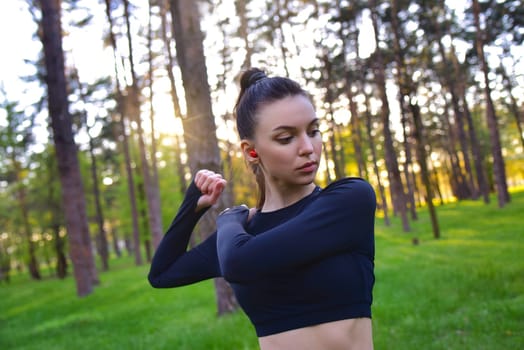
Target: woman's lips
{"points": [[308, 167]]}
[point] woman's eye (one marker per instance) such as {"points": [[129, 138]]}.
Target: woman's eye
{"points": [[314, 132], [284, 139]]}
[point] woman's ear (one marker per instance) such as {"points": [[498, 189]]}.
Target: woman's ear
{"points": [[248, 149]]}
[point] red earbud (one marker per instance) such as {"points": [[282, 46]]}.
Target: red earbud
{"points": [[253, 153]]}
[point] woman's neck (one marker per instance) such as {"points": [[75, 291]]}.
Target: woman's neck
{"points": [[281, 197]]}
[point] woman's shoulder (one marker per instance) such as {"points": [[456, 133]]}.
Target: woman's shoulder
{"points": [[349, 183], [349, 190]]}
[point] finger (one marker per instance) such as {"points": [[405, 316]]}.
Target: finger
{"points": [[252, 212], [201, 179], [200, 176], [217, 189], [210, 182]]}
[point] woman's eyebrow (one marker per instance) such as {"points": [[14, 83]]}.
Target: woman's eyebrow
{"points": [[289, 128]]}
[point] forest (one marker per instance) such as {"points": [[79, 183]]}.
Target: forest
{"points": [[423, 99]]}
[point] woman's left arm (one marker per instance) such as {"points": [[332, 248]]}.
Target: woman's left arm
{"points": [[341, 219]]}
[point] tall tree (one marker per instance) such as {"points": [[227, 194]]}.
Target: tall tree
{"points": [[398, 195], [478, 158], [199, 124], [405, 87], [133, 105], [85, 91], [374, 160], [66, 151], [499, 169], [243, 30], [433, 20], [422, 160], [153, 153], [408, 92], [120, 100], [170, 66], [512, 104], [348, 34]]}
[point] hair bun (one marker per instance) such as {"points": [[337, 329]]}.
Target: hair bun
{"points": [[250, 77]]}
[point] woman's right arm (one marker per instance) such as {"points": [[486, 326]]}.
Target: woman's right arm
{"points": [[172, 265]]}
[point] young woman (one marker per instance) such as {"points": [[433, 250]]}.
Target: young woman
{"points": [[301, 263]]}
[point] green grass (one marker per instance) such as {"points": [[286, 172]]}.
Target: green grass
{"points": [[463, 291]]}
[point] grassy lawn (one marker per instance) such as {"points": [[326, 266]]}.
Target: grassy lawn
{"points": [[463, 291]]}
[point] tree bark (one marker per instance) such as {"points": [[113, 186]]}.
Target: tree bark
{"points": [[66, 150], [101, 245], [512, 105], [421, 157], [151, 191], [199, 124], [356, 134], [153, 154], [449, 78], [101, 237], [406, 89], [397, 189], [243, 30], [125, 146], [374, 159], [61, 261], [170, 64], [499, 170], [478, 160]]}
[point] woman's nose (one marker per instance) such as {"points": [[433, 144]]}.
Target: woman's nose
{"points": [[306, 145]]}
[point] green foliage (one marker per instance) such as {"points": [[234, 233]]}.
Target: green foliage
{"points": [[464, 291]]}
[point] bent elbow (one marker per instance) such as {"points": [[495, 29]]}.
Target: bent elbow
{"points": [[155, 281]]}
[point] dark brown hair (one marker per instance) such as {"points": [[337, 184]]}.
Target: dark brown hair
{"points": [[256, 90]]}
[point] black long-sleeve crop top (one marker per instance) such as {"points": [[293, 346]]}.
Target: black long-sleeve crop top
{"points": [[309, 263]]}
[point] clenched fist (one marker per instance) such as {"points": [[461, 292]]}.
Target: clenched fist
{"points": [[211, 185]]}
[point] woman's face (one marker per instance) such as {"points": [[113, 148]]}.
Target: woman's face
{"points": [[288, 141]]}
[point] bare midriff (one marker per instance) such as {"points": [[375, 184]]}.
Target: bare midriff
{"points": [[347, 334]]}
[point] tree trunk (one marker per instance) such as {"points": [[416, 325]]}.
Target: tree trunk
{"points": [[470, 190], [114, 237], [56, 215], [397, 189], [460, 187], [243, 30], [125, 146], [449, 77], [153, 154], [199, 124], [499, 170], [152, 192], [101, 245], [170, 64], [334, 146], [513, 105], [421, 155], [66, 150], [409, 175], [374, 159], [478, 160], [61, 260], [101, 237], [405, 86], [356, 133]]}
